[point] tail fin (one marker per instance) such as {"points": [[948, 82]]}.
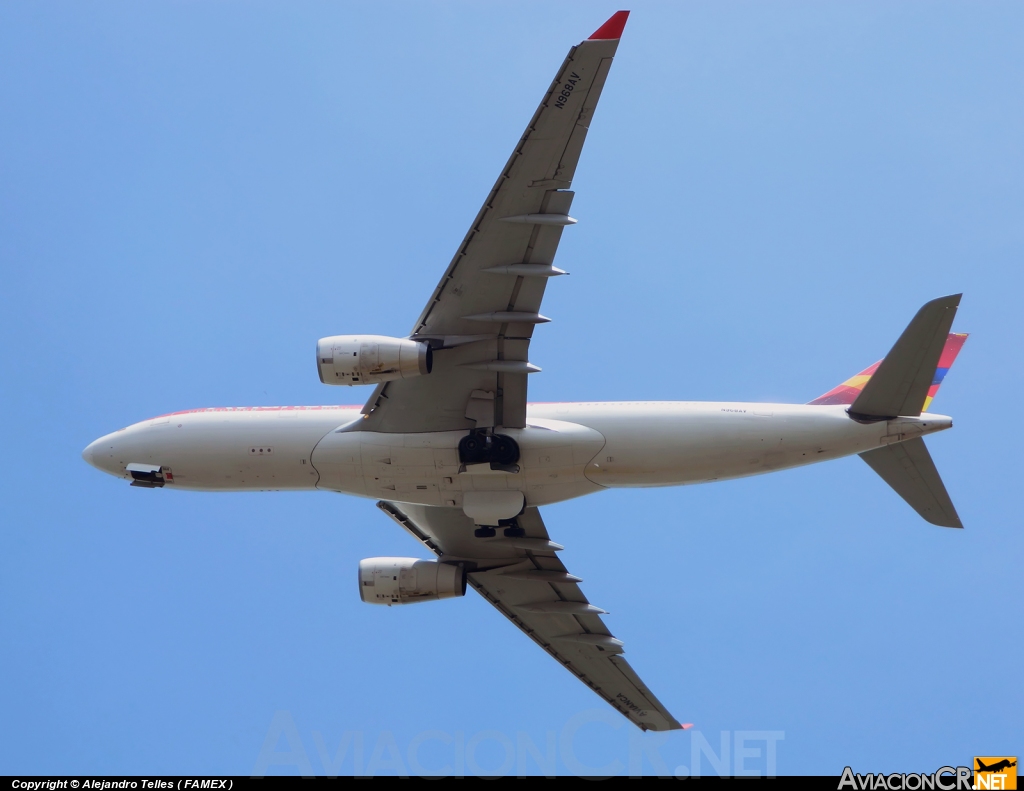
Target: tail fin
{"points": [[954, 343], [900, 384], [849, 391], [908, 468], [904, 384]]}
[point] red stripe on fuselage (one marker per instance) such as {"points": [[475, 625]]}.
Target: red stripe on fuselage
{"points": [[259, 409]]}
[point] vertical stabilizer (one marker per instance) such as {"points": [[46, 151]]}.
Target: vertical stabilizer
{"points": [[901, 383], [847, 392]]}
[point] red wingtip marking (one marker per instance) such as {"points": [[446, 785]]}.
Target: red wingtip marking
{"points": [[687, 725], [612, 28]]}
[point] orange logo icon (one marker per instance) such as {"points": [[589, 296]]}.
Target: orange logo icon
{"points": [[999, 772]]}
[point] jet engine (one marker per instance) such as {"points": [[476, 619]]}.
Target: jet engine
{"points": [[370, 359], [407, 580]]}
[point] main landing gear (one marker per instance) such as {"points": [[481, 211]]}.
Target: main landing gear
{"points": [[502, 453], [512, 530], [478, 447]]}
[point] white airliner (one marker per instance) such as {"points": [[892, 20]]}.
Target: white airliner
{"points": [[455, 455]]}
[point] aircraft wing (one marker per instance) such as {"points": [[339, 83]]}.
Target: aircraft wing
{"points": [[481, 316], [525, 581]]}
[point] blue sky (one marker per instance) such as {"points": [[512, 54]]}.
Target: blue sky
{"points": [[191, 194]]}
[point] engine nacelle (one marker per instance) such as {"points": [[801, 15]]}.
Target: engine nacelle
{"points": [[407, 580], [370, 359]]}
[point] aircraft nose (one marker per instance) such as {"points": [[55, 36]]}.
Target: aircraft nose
{"points": [[89, 454], [100, 454]]}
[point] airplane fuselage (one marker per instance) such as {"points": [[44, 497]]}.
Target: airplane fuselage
{"points": [[567, 449]]}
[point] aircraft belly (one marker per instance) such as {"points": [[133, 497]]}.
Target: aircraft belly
{"points": [[424, 468], [667, 444]]}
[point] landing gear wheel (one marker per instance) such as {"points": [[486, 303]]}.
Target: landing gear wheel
{"points": [[484, 532], [479, 448], [514, 532], [472, 449], [504, 450]]}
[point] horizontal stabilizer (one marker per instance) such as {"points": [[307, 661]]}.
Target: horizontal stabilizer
{"points": [[908, 468], [900, 385]]}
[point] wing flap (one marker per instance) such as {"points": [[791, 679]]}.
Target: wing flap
{"points": [[579, 641]]}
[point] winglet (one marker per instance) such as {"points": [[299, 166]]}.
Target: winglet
{"points": [[612, 28]]}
